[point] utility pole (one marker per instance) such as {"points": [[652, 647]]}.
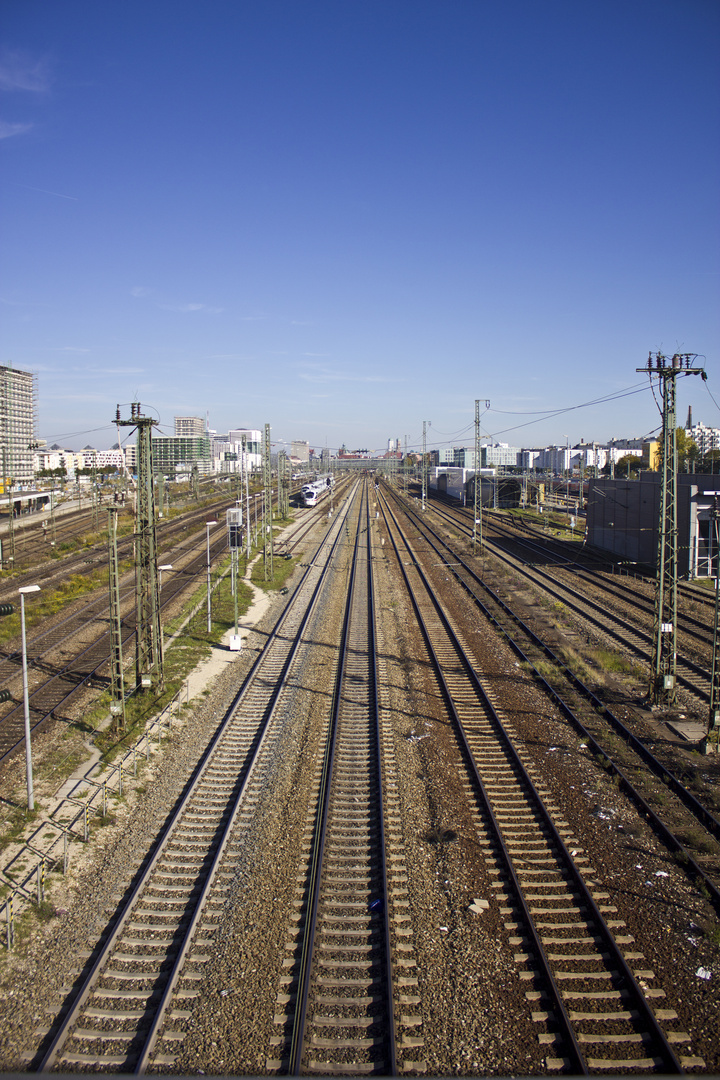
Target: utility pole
{"points": [[664, 655], [148, 656], [714, 717], [283, 485], [267, 506], [95, 501], [117, 674], [8, 486], [424, 463], [477, 516], [246, 471]]}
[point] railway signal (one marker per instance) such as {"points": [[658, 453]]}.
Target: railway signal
{"points": [[7, 609]]}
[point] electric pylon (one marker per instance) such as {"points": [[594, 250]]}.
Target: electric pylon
{"points": [[267, 506], [148, 656], [424, 464], [663, 672], [117, 674], [283, 485], [477, 517]]}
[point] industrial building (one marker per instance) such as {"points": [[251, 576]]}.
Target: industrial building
{"points": [[18, 395], [623, 519]]}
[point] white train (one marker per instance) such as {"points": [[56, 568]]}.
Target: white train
{"points": [[311, 494]]}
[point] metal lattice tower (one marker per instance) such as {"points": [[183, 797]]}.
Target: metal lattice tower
{"points": [[117, 673], [267, 506], [283, 485], [149, 658], [663, 672], [477, 517], [424, 464]]}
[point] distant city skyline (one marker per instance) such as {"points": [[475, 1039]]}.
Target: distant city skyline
{"points": [[345, 219]]}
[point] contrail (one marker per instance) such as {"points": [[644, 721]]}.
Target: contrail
{"points": [[44, 191]]}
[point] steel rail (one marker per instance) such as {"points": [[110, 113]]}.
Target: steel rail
{"points": [[256, 674], [578, 1062], [688, 624], [674, 783], [586, 606], [315, 875], [38, 696]]}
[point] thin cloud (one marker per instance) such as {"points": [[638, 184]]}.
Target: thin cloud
{"points": [[8, 130], [184, 308], [101, 372], [325, 375], [141, 292], [20, 71], [229, 356]]}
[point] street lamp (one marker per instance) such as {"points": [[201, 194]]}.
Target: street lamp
{"points": [[165, 566], [207, 536], [26, 702]]}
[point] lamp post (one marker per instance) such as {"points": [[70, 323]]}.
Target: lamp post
{"points": [[165, 566], [26, 702], [207, 537]]}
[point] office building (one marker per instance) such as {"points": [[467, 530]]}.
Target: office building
{"points": [[18, 394]]}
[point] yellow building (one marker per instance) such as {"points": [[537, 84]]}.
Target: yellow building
{"points": [[651, 455]]}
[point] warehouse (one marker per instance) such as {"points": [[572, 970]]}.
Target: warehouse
{"points": [[623, 518]]}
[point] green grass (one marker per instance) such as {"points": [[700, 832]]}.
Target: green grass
{"points": [[191, 647], [282, 569], [15, 821], [612, 662]]}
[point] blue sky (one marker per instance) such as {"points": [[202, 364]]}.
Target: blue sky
{"points": [[344, 217]]}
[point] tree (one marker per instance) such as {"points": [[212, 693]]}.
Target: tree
{"points": [[711, 461], [685, 446], [626, 464]]}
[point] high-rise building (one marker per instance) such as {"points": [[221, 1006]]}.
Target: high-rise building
{"points": [[189, 427], [18, 393], [177, 456]]}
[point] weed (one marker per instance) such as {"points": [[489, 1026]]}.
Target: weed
{"points": [[612, 662], [44, 911], [712, 933], [697, 840]]}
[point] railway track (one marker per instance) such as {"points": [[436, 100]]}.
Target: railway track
{"points": [[691, 676], [336, 1012], [73, 653], [129, 1013], [639, 597], [638, 771], [588, 988], [69, 667]]}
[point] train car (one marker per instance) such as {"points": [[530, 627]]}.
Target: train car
{"points": [[311, 494]]}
